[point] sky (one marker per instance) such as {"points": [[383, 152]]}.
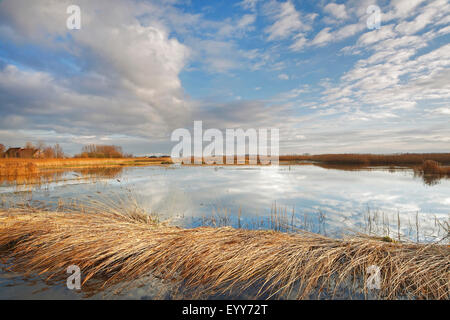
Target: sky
{"points": [[316, 70]]}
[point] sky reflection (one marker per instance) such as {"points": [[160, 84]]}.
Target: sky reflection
{"points": [[340, 200]]}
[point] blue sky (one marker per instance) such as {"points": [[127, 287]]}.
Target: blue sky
{"points": [[137, 70]]}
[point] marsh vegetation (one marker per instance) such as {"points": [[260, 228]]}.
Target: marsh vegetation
{"points": [[116, 246]]}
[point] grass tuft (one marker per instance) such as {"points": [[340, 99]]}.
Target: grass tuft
{"points": [[433, 167]]}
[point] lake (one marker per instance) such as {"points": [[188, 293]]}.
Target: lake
{"points": [[286, 198]]}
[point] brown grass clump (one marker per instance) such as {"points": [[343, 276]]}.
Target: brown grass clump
{"points": [[113, 248], [433, 167], [432, 171]]}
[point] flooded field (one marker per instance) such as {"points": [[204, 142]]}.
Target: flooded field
{"points": [[385, 202]]}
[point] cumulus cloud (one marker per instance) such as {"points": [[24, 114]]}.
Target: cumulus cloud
{"points": [[142, 64]]}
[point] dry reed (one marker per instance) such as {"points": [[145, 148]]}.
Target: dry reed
{"points": [[114, 247], [79, 162], [406, 159], [14, 169], [39, 171], [433, 167]]}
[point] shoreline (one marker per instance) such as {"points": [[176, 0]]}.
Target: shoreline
{"points": [[357, 160]]}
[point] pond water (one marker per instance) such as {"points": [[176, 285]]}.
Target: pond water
{"points": [[286, 198]]}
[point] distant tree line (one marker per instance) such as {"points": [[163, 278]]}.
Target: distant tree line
{"points": [[102, 151], [39, 151], [43, 151]]}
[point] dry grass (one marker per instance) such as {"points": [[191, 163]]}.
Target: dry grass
{"points": [[19, 168], [82, 162], [407, 159], [113, 247], [18, 172], [432, 172], [24, 167], [355, 160], [358, 160], [433, 167], [41, 171]]}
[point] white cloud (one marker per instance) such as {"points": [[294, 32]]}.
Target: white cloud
{"points": [[283, 76], [394, 78], [246, 20], [322, 37], [291, 94], [237, 28], [336, 10], [326, 35], [249, 4], [374, 36], [287, 20], [299, 43], [443, 110], [140, 63], [420, 22], [403, 8], [219, 56]]}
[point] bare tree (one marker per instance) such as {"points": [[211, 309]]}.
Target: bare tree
{"points": [[48, 153], [101, 151], [58, 151], [40, 145]]}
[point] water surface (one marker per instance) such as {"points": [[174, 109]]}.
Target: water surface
{"points": [[287, 198]]}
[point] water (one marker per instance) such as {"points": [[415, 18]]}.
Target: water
{"points": [[331, 202]]}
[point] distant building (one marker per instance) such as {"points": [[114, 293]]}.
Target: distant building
{"points": [[23, 153]]}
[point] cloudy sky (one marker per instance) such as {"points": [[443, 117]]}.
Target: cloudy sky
{"points": [[138, 69]]}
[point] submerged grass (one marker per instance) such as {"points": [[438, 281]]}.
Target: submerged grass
{"points": [[433, 167], [432, 171], [112, 246]]}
